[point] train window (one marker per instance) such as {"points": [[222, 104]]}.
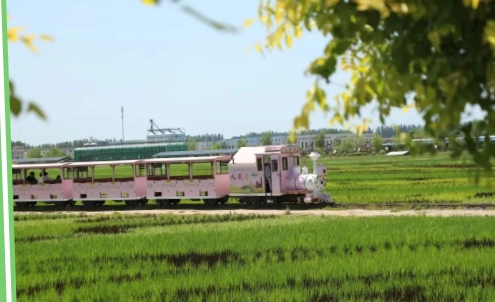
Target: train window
{"points": [[102, 173], [296, 160], [202, 170], [285, 164], [259, 164], [275, 165], [222, 167], [17, 174], [82, 174], [123, 173], [179, 170], [67, 173], [159, 170], [140, 170]]}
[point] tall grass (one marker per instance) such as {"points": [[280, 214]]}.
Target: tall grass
{"points": [[285, 258]]}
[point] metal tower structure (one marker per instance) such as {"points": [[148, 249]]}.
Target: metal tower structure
{"points": [[156, 133]]}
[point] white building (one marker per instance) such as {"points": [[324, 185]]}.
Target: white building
{"points": [[18, 152], [306, 142]]}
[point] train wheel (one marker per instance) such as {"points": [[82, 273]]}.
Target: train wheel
{"points": [[210, 201], [222, 200], [253, 200], [143, 202], [22, 204], [70, 203], [176, 202], [60, 204], [166, 202], [32, 204], [88, 203], [131, 203], [100, 202]]}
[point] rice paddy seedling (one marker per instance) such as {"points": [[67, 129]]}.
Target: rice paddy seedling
{"points": [[254, 258]]}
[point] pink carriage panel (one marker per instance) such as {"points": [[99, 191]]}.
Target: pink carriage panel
{"points": [[189, 188], [222, 184], [44, 192], [105, 190], [140, 186], [287, 179], [67, 188]]}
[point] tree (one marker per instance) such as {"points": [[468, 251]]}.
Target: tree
{"points": [[34, 153], [435, 56], [55, 152], [377, 142], [266, 138], [192, 143], [216, 146], [242, 143], [347, 144], [358, 142], [417, 134], [319, 140], [337, 145]]}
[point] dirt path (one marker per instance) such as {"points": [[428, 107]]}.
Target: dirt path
{"points": [[341, 213]]}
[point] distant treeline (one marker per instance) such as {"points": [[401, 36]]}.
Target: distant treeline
{"points": [[384, 131]]}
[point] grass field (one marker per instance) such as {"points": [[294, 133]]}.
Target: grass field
{"points": [[379, 179], [424, 179], [123, 257], [254, 258]]}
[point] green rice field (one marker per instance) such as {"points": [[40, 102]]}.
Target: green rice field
{"points": [[253, 258], [376, 179], [233, 257]]}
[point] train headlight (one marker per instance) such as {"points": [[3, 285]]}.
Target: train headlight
{"points": [[320, 183]]}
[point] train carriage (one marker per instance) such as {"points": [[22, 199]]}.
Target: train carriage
{"points": [[285, 181], [28, 191], [252, 175], [168, 180], [96, 182]]}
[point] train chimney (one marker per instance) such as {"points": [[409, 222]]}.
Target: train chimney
{"points": [[314, 157]]}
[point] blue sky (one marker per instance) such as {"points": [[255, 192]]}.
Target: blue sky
{"points": [[160, 64]]}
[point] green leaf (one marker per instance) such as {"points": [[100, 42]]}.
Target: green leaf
{"points": [[15, 106], [34, 108]]}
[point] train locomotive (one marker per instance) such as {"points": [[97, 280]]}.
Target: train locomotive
{"points": [[253, 175]]}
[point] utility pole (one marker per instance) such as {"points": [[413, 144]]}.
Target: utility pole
{"points": [[122, 110]]}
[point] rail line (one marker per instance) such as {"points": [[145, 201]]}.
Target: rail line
{"points": [[299, 207]]}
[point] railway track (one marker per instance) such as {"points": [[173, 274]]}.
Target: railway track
{"points": [[235, 206]]}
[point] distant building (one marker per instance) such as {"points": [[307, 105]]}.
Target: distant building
{"points": [[125, 152], [18, 152], [306, 142]]}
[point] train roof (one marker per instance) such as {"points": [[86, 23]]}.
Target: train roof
{"points": [[143, 145], [43, 160], [104, 163], [246, 155], [39, 166], [194, 153], [186, 159]]}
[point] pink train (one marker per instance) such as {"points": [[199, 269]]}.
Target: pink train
{"points": [[253, 175]]}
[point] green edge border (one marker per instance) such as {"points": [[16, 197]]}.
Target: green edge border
{"points": [[8, 290]]}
